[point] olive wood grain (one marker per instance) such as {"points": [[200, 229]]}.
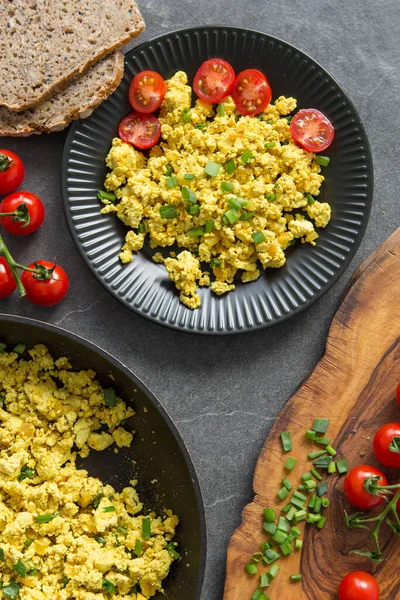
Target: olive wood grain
{"points": [[354, 385]]}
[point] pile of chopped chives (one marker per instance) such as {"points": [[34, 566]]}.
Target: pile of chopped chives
{"points": [[306, 503]]}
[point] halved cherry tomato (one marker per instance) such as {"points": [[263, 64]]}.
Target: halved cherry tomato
{"points": [[383, 441], [29, 209], [251, 92], [147, 91], [45, 292], [7, 281], [354, 486], [398, 393], [312, 130], [358, 585], [214, 80], [142, 131], [11, 171]]}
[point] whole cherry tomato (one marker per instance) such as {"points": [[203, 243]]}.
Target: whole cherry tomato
{"points": [[358, 585], [29, 213], [11, 171], [312, 130], [387, 445], [48, 287], [251, 92], [354, 486], [7, 281], [140, 130], [147, 91], [214, 80]]}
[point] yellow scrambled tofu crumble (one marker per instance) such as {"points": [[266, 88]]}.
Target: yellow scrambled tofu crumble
{"points": [[233, 191], [63, 534]]}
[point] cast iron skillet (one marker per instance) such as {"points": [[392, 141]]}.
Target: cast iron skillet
{"points": [[158, 450]]}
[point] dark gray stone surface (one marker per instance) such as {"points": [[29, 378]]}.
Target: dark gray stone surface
{"points": [[224, 393]]}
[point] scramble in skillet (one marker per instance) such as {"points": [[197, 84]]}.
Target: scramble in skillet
{"points": [[63, 534], [232, 189]]}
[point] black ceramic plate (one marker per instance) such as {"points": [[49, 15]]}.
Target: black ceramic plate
{"points": [[278, 294], [159, 452]]}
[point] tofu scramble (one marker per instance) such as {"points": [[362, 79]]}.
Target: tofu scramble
{"points": [[234, 192], [66, 535]]}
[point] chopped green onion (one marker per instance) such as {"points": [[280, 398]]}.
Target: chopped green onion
{"points": [[330, 450], [290, 463], [269, 145], [189, 195], [108, 509], [297, 494], [321, 522], [26, 473], [323, 462], [141, 227], [103, 195], [246, 216], [247, 156], [232, 215], [310, 485], [264, 581], [169, 170], [270, 556], [297, 502], [257, 557], [298, 544], [286, 438], [122, 529], [146, 528], [282, 494], [221, 109], [311, 435], [325, 502], [96, 501], [273, 571], [189, 176], [46, 518], [251, 568], [28, 542], [286, 508], [138, 547], [226, 186], [110, 397], [171, 547], [270, 527], [324, 441], [11, 590], [316, 454], [215, 262], [234, 203], [279, 536], [321, 425], [312, 518], [332, 468], [322, 488], [108, 586], [295, 531], [65, 580], [33, 571], [265, 545], [288, 118], [3, 347], [283, 524], [269, 515], [342, 466], [193, 209], [258, 237], [316, 474], [186, 115], [230, 166], [300, 515], [306, 476], [286, 548], [20, 568], [200, 126], [195, 232], [19, 348], [100, 540], [171, 181], [168, 212], [271, 197], [295, 578], [318, 504], [259, 595], [288, 485], [311, 502], [209, 226], [212, 168], [290, 513], [322, 160]]}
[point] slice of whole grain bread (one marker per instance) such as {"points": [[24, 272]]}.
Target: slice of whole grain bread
{"points": [[46, 43], [76, 101]]}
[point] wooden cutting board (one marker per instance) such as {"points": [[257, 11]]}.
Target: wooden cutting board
{"points": [[354, 385]]}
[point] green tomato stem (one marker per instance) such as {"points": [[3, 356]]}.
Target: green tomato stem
{"points": [[13, 267]]}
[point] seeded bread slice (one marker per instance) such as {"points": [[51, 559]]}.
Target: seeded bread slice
{"points": [[46, 43], [77, 101]]}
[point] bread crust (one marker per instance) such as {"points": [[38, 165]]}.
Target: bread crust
{"points": [[14, 13], [74, 102]]}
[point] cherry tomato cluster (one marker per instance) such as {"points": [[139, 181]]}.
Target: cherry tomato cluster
{"points": [[22, 213], [214, 81], [367, 487]]}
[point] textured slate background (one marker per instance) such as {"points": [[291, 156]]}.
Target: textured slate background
{"points": [[225, 393]]}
